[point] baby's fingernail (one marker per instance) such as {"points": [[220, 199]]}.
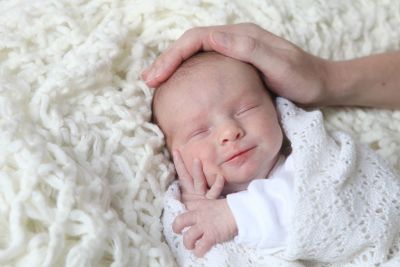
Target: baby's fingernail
{"points": [[151, 75], [221, 38], [143, 74]]}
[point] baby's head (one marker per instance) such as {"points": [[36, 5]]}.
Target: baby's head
{"points": [[217, 109]]}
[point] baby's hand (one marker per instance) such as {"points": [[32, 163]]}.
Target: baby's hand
{"points": [[211, 222], [194, 187]]}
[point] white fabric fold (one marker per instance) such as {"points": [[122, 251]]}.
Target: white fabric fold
{"points": [[263, 211]]}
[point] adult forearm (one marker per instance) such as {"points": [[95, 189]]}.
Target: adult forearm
{"points": [[372, 81]]}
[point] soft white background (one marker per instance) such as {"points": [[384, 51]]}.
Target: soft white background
{"points": [[82, 171]]}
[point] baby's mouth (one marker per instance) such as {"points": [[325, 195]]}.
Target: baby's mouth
{"points": [[237, 155]]}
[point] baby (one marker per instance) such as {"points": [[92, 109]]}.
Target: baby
{"points": [[329, 200], [222, 127]]}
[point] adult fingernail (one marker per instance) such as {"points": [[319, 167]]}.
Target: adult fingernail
{"points": [[221, 38]]}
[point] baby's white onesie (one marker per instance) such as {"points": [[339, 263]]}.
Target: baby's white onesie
{"points": [[263, 211]]}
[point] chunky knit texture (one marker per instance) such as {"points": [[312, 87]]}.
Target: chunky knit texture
{"points": [[346, 204], [82, 170]]}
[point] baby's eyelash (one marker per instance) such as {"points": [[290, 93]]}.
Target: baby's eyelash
{"points": [[197, 132], [243, 110]]}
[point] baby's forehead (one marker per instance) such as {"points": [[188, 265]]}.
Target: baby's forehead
{"points": [[198, 64], [202, 65], [208, 66], [201, 69]]}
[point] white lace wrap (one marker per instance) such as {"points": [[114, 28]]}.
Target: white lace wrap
{"points": [[347, 209]]}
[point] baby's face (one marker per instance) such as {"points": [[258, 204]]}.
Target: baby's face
{"points": [[222, 115]]}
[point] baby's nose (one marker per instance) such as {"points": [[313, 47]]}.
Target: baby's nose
{"points": [[230, 132]]}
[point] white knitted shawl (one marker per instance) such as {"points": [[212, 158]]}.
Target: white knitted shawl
{"points": [[347, 204]]}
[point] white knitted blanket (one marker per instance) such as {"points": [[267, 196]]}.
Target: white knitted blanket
{"points": [[346, 210], [82, 171]]}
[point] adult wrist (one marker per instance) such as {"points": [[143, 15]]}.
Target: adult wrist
{"points": [[340, 84]]}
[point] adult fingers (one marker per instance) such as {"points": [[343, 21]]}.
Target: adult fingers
{"points": [[185, 179], [245, 48], [216, 188], [182, 221], [189, 43], [191, 236], [199, 180], [192, 41]]}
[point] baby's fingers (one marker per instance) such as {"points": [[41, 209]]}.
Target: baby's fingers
{"points": [[191, 236], [216, 188], [185, 179], [202, 246], [199, 179], [182, 221]]}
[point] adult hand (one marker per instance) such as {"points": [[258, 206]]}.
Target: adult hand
{"points": [[287, 70], [194, 187], [211, 222]]}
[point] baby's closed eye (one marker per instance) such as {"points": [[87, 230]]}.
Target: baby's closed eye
{"points": [[199, 132], [245, 109]]}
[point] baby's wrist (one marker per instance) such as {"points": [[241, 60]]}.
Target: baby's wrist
{"points": [[230, 220]]}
